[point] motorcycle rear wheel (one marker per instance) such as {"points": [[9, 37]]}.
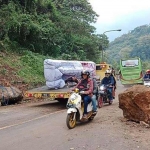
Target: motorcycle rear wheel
{"points": [[71, 121], [100, 101]]}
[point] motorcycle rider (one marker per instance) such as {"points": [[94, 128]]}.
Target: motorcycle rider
{"points": [[86, 83], [147, 75], [94, 96], [115, 83], [108, 81]]}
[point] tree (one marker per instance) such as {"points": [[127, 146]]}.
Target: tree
{"points": [[52, 27]]}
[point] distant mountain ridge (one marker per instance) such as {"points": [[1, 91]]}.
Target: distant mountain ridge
{"points": [[136, 43]]}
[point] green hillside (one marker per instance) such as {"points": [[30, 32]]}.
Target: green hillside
{"points": [[134, 44], [58, 28], [24, 70], [32, 30]]}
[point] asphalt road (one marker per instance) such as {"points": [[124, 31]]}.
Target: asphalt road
{"points": [[42, 126]]}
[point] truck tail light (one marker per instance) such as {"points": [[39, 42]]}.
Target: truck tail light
{"points": [[60, 96], [30, 95]]}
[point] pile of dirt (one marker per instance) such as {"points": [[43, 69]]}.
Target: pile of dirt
{"points": [[135, 103]]}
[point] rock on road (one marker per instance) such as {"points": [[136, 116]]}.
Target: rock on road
{"points": [[43, 127]]}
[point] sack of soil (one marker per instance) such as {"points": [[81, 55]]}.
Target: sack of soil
{"points": [[9, 94]]}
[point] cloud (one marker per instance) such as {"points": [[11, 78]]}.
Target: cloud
{"points": [[117, 14]]}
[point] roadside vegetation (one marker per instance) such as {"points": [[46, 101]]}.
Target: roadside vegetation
{"points": [[57, 28], [31, 31], [25, 68]]}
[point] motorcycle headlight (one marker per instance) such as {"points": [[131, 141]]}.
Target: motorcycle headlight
{"points": [[102, 88], [73, 102], [73, 99]]}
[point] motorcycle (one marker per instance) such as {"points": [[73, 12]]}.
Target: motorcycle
{"points": [[103, 95], [75, 110], [147, 82]]}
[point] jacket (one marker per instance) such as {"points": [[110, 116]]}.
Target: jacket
{"points": [[86, 83], [108, 80], [147, 76]]}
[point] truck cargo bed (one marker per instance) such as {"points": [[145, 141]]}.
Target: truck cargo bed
{"points": [[44, 92], [45, 89]]}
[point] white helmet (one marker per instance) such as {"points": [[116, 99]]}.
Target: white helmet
{"points": [[108, 71]]}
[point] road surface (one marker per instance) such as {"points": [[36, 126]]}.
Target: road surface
{"points": [[42, 126]]}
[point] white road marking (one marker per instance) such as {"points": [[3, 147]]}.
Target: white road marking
{"points": [[9, 126]]}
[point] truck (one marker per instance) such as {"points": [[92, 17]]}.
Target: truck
{"points": [[53, 94], [101, 69], [131, 71], [60, 94]]}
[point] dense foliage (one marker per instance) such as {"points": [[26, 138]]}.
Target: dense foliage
{"points": [[57, 28], [134, 44]]}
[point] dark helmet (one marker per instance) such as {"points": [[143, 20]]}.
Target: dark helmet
{"points": [[85, 72]]}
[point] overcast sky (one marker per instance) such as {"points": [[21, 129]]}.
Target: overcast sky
{"points": [[120, 14]]}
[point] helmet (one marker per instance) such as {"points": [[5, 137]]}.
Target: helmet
{"points": [[148, 71], [108, 71], [85, 72]]}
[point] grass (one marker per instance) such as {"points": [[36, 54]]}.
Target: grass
{"points": [[25, 66]]}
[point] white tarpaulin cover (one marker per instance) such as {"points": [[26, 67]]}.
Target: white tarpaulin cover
{"points": [[57, 71], [90, 66]]}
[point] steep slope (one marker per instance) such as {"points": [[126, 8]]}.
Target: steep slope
{"points": [[21, 70], [134, 44]]}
